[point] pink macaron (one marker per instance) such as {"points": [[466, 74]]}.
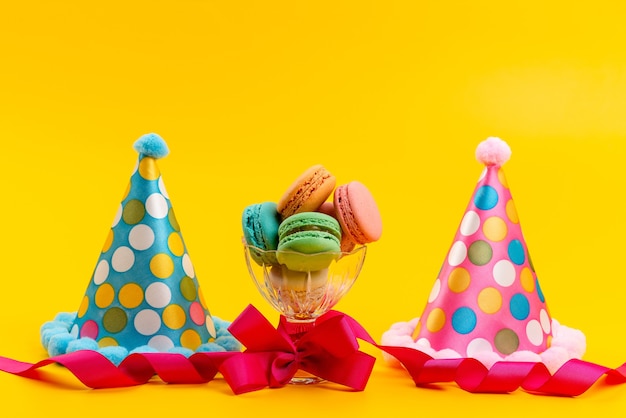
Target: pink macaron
{"points": [[357, 212], [346, 243]]}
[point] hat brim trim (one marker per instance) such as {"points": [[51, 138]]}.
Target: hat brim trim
{"points": [[567, 343]]}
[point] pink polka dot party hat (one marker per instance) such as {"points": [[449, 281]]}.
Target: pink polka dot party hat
{"points": [[143, 295], [486, 302]]}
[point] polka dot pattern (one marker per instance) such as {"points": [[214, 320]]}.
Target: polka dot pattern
{"points": [[158, 295], [504, 273], [161, 343], [101, 273], [436, 320], [434, 292], [495, 229], [114, 320], [148, 169], [477, 346], [123, 259], [133, 212], [118, 214], [526, 277], [174, 317], [131, 295], [108, 242], [486, 197], [144, 289], [489, 300], [506, 341], [464, 320], [516, 252], [175, 244], [459, 280], [519, 306], [141, 237], [457, 255], [511, 212], [107, 342], [162, 266], [196, 313], [147, 322], [534, 332], [470, 223], [90, 329], [487, 296], [104, 295], [480, 253], [84, 306], [190, 339], [188, 289], [156, 205]]}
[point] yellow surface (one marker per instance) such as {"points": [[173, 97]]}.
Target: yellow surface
{"points": [[396, 94]]}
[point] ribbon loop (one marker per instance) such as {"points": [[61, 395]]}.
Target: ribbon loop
{"points": [[329, 351]]}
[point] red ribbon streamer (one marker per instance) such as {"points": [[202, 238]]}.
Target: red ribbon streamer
{"points": [[573, 378], [329, 351]]}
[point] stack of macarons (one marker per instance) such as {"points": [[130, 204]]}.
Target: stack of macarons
{"points": [[307, 229]]}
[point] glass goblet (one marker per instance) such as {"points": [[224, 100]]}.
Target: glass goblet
{"points": [[299, 293]]}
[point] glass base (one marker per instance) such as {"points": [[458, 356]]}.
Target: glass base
{"points": [[305, 378], [297, 328]]}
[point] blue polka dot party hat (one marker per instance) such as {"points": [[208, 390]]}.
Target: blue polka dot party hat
{"points": [[143, 295], [486, 302]]}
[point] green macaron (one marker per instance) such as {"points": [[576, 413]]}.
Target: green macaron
{"points": [[308, 241]]}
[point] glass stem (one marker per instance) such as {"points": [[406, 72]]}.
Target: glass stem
{"points": [[298, 328]]}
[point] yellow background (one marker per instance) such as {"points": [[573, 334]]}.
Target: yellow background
{"points": [[396, 94]]}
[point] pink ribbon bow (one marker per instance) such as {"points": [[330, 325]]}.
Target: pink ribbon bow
{"points": [[329, 351]]}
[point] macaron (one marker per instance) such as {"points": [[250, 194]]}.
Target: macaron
{"points": [[346, 244], [284, 279], [307, 192], [260, 224], [308, 241], [302, 292], [357, 213]]}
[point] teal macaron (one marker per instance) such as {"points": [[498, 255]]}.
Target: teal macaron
{"points": [[260, 223], [308, 241]]}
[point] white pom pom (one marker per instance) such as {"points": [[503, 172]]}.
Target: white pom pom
{"points": [[493, 151]]}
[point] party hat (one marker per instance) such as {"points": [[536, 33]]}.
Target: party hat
{"points": [[143, 294], [486, 302]]}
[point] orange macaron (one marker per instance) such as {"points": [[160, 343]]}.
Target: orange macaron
{"points": [[307, 192]]}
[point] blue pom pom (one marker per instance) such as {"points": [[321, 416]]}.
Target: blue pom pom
{"points": [[181, 350], [221, 327], [151, 145], [51, 325], [144, 349], [82, 344], [48, 333], [66, 318], [220, 323], [58, 344], [229, 343], [115, 354], [210, 348], [222, 332]]}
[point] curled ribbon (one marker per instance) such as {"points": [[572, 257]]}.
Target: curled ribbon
{"points": [[329, 351], [573, 378]]}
